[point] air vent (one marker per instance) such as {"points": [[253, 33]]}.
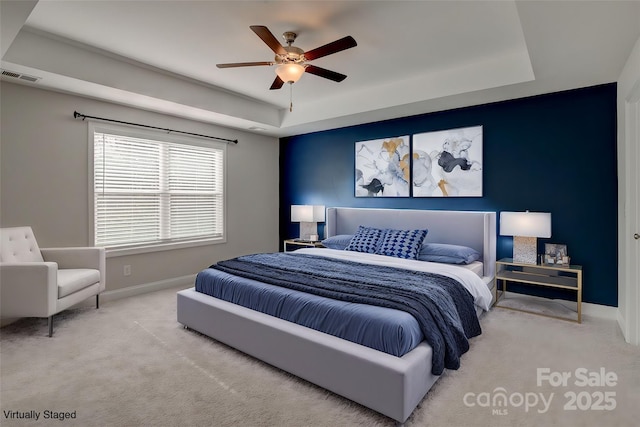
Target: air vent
{"points": [[20, 76]]}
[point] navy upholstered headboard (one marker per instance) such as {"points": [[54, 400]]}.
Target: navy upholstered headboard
{"points": [[469, 228]]}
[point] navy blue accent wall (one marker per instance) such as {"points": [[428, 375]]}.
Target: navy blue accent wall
{"points": [[550, 153]]}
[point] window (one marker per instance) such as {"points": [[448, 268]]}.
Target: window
{"points": [[152, 191]]}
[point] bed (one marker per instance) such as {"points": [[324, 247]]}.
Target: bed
{"points": [[388, 384]]}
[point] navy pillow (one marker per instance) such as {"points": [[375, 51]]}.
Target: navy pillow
{"points": [[365, 240], [402, 243], [340, 241], [449, 254]]}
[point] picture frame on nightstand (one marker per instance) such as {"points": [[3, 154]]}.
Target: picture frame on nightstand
{"points": [[556, 254]]}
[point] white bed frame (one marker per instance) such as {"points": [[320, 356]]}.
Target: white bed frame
{"points": [[391, 385]]}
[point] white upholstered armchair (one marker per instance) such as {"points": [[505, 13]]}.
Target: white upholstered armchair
{"points": [[38, 282]]}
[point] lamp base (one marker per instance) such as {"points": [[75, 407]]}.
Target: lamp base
{"points": [[308, 229], [525, 250]]}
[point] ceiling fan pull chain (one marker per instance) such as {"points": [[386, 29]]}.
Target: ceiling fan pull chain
{"points": [[290, 97]]}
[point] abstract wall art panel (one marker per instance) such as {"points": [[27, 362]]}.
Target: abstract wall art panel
{"points": [[382, 167], [448, 163]]}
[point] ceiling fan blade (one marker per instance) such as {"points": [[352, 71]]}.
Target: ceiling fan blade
{"points": [[268, 37], [277, 83], [330, 48], [243, 64], [323, 72]]}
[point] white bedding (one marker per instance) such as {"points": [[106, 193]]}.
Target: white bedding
{"points": [[475, 266], [476, 286]]}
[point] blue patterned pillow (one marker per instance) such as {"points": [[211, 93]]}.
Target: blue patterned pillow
{"points": [[402, 243], [365, 240]]}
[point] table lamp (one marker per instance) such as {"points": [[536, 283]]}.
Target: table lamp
{"points": [[308, 216], [525, 227]]}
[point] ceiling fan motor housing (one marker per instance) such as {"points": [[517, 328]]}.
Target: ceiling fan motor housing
{"points": [[294, 55], [289, 37]]}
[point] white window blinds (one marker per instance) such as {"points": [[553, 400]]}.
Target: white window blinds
{"points": [[153, 192]]}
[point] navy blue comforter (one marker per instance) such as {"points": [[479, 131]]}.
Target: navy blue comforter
{"points": [[443, 308]]}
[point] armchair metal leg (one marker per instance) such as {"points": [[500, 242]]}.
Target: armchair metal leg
{"points": [[98, 301], [50, 326]]}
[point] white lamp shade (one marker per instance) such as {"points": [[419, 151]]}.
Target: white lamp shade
{"points": [[307, 213], [318, 213], [525, 224], [290, 73]]}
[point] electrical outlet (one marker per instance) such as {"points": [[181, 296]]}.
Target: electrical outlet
{"points": [[127, 270]]}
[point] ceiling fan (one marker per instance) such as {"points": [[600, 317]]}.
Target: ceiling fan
{"points": [[292, 61]]}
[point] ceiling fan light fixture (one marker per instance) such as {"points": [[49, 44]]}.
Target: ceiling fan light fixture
{"points": [[290, 73]]}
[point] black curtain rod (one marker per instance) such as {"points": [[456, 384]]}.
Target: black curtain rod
{"points": [[83, 116]]}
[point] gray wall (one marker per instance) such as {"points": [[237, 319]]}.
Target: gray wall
{"points": [[44, 181]]}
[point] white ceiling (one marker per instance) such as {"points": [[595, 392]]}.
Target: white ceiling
{"points": [[412, 56]]}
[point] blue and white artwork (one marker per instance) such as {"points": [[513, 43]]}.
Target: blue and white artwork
{"points": [[383, 167], [448, 163]]}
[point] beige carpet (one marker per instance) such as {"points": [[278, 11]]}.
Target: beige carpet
{"points": [[131, 364]]}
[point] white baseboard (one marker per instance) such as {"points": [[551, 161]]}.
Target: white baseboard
{"points": [[588, 309], [4, 321], [176, 282], [598, 310], [622, 324], [595, 310], [144, 288], [630, 334]]}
